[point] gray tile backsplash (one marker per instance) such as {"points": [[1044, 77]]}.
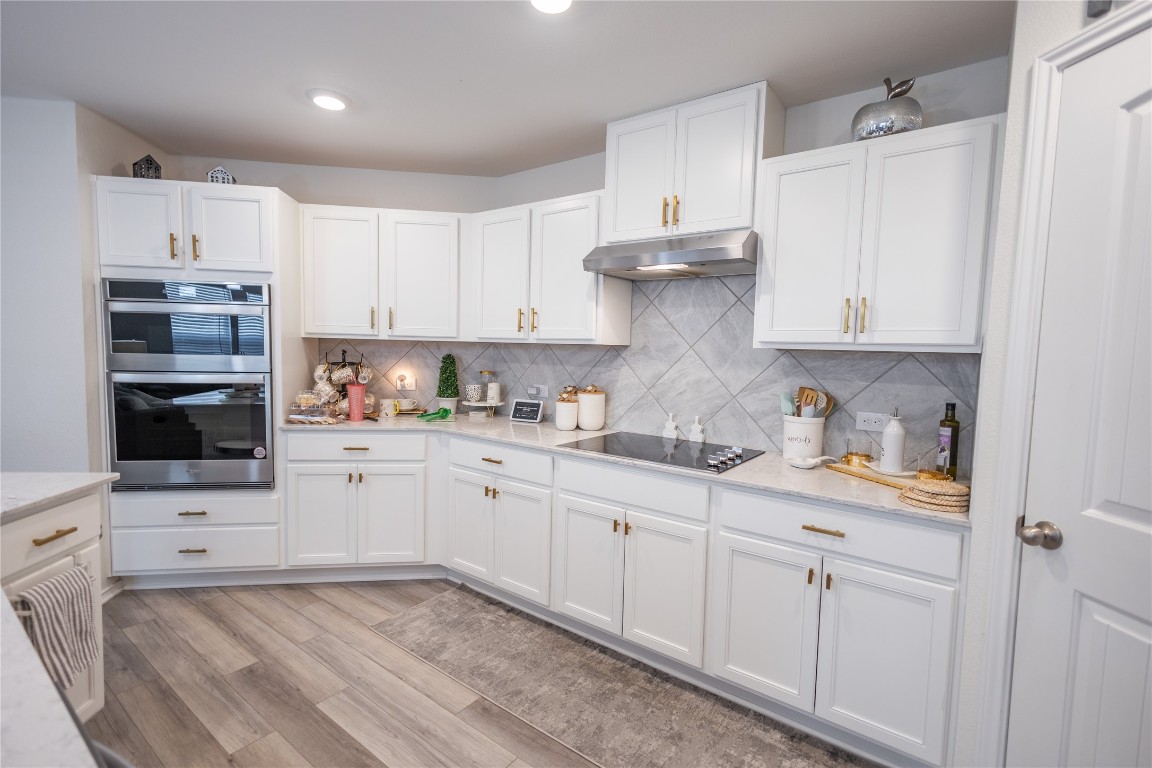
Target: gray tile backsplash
{"points": [[692, 354]]}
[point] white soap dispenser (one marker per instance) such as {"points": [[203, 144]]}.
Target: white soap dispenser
{"points": [[696, 432], [670, 429], [892, 445]]}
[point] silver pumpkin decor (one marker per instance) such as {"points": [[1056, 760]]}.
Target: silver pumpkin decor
{"points": [[896, 114]]}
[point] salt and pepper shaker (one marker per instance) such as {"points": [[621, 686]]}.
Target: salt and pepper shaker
{"points": [[696, 432], [670, 428]]}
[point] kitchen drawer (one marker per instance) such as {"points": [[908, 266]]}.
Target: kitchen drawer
{"points": [[133, 510], [158, 549], [502, 461], [335, 446], [17, 548], [629, 488], [928, 550]]}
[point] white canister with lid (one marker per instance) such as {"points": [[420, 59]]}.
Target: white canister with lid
{"points": [[567, 415], [592, 410]]}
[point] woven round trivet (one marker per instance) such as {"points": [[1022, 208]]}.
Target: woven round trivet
{"points": [[940, 488], [955, 507]]}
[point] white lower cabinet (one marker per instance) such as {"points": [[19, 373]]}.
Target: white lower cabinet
{"points": [[631, 573], [865, 647], [500, 531], [341, 512]]}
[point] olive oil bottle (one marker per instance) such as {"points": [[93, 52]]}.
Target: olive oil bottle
{"points": [[948, 442]]}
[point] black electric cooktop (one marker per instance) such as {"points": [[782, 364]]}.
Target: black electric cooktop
{"points": [[706, 457]]}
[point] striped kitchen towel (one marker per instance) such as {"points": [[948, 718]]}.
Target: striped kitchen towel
{"points": [[61, 625]]}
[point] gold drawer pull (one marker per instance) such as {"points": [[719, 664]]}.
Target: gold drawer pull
{"points": [[663, 212], [825, 531], [847, 313], [675, 210], [200, 513], [811, 573], [372, 318], [200, 551], [863, 312], [60, 533], [615, 526], [195, 248], [356, 448], [828, 581], [172, 246], [487, 490], [492, 461], [532, 324], [519, 320], [361, 477]]}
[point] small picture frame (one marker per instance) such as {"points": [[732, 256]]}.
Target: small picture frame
{"points": [[526, 411]]}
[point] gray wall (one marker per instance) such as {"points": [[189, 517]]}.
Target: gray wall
{"points": [[691, 354]]}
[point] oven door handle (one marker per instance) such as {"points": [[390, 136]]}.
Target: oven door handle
{"points": [[120, 377], [180, 308]]}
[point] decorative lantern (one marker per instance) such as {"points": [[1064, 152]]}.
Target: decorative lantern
{"points": [[146, 168], [220, 175]]}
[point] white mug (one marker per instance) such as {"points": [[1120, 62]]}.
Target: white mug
{"points": [[406, 404]]}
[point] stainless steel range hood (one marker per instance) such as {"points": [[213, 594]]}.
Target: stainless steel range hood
{"points": [[709, 255]]}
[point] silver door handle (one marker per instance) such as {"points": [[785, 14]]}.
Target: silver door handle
{"points": [[1043, 534]]}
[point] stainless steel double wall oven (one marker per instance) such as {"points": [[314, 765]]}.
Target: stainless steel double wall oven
{"points": [[189, 384]]}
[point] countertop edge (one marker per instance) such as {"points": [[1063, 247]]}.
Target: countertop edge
{"points": [[26, 493]]}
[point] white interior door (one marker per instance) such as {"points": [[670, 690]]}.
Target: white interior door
{"points": [[1081, 687]]}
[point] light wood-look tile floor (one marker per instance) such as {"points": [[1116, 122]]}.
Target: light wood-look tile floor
{"points": [[293, 675]]}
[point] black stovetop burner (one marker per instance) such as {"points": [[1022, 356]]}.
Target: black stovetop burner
{"points": [[706, 457]]}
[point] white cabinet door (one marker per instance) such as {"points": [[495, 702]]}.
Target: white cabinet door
{"points": [[715, 163], [470, 523], [523, 540], [86, 694], [390, 513], [588, 557], [806, 288], [563, 294], [320, 514], [341, 281], [501, 277], [664, 586], [231, 227], [140, 223], [924, 237], [421, 278], [639, 176], [764, 617], [885, 657]]}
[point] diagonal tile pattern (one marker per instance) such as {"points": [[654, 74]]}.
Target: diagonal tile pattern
{"points": [[692, 354]]}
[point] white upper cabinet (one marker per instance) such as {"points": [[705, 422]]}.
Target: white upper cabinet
{"points": [[340, 261], [140, 223], [144, 223], [529, 279], [231, 227], [421, 274], [684, 170], [502, 261], [878, 244], [563, 294]]}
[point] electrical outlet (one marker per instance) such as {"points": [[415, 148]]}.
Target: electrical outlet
{"points": [[538, 391], [872, 422], [405, 383]]}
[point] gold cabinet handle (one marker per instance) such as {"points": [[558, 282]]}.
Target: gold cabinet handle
{"points": [[200, 551], [356, 448], [60, 533], [349, 477], [615, 526], [487, 490], [627, 528], [373, 318], [847, 315], [828, 581], [811, 573], [664, 212], [825, 531], [389, 318], [492, 461], [519, 320], [863, 311], [361, 477], [199, 513], [494, 492], [675, 210], [195, 251], [172, 246], [532, 320]]}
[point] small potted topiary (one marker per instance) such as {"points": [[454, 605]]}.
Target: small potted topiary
{"points": [[448, 389]]}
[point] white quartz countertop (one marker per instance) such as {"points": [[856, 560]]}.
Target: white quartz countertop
{"points": [[26, 493], [768, 472], [36, 728]]}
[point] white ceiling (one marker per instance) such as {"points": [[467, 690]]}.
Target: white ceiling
{"points": [[478, 88]]}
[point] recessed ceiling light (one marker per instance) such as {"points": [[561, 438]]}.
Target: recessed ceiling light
{"points": [[328, 99], [551, 6]]}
